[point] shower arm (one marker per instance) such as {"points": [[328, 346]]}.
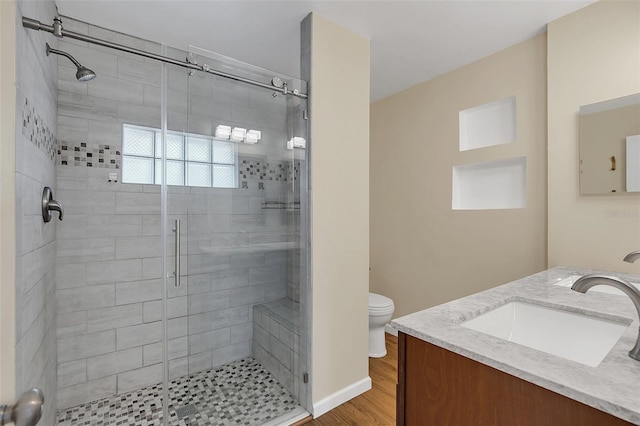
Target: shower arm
{"points": [[58, 31], [65, 54]]}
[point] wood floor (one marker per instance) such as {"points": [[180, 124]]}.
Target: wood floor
{"points": [[376, 406]]}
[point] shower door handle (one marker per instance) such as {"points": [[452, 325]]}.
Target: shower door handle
{"points": [[176, 272]]}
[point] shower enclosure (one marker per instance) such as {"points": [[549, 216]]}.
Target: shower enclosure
{"points": [[240, 240], [181, 263]]}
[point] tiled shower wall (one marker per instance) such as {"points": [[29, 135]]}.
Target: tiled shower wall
{"points": [[35, 241], [109, 247]]}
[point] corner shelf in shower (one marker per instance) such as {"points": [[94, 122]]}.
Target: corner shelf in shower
{"points": [[280, 205]]}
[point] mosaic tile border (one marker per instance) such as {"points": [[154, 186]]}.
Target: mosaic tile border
{"points": [[251, 168], [79, 154], [241, 393], [37, 131]]}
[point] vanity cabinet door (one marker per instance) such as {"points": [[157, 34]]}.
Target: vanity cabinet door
{"points": [[439, 387]]}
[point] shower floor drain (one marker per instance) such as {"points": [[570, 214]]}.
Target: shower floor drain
{"points": [[186, 411]]}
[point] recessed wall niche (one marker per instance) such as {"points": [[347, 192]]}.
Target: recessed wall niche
{"points": [[490, 185], [489, 124]]}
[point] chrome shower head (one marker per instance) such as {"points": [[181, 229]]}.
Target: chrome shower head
{"points": [[83, 73]]}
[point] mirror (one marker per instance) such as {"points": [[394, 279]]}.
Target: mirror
{"points": [[609, 133]]}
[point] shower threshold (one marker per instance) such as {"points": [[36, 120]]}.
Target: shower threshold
{"points": [[239, 393]]}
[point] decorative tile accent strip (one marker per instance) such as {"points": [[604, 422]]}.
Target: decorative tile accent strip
{"points": [[295, 173], [35, 129], [78, 154], [253, 168], [241, 392]]}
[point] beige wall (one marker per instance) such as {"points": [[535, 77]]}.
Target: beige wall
{"points": [[422, 252], [7, 199], [339, 108], [593, 55]]}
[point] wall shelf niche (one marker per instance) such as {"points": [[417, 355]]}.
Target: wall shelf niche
{"points": [[498, 184], [490, 124]]}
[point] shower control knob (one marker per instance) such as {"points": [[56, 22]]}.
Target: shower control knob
{"points": [[49, 205]]}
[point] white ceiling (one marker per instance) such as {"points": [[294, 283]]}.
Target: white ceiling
{"points": [[411, 41]]}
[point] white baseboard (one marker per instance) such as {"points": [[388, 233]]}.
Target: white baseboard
{"points": [[340, 397], [390, 330]]}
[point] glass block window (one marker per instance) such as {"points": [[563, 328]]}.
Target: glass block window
{"points": [[192, 160]]}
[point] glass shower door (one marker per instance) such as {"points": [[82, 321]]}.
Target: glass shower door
{"points": [[233, 348]]}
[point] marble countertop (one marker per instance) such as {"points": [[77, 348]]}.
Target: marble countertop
{"points": [[613, 386]]}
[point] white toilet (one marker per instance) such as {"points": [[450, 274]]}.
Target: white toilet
{"points": [[380, 311]]}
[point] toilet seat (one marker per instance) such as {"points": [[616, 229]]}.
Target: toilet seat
{"points": [[380, 305]]}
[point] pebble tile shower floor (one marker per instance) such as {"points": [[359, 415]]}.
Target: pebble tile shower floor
{"points": [[238, 393]]}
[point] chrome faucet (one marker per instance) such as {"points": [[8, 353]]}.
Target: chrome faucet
{"points": [[585, 283]]}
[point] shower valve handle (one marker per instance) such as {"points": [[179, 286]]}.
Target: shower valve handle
{"points": [[49, 204]]}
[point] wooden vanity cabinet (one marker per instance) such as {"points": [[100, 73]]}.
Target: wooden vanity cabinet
{"points": [[439, 387]]}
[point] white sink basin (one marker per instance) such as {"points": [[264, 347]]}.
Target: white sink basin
{"points": [[580, 338], [568, 282]]}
